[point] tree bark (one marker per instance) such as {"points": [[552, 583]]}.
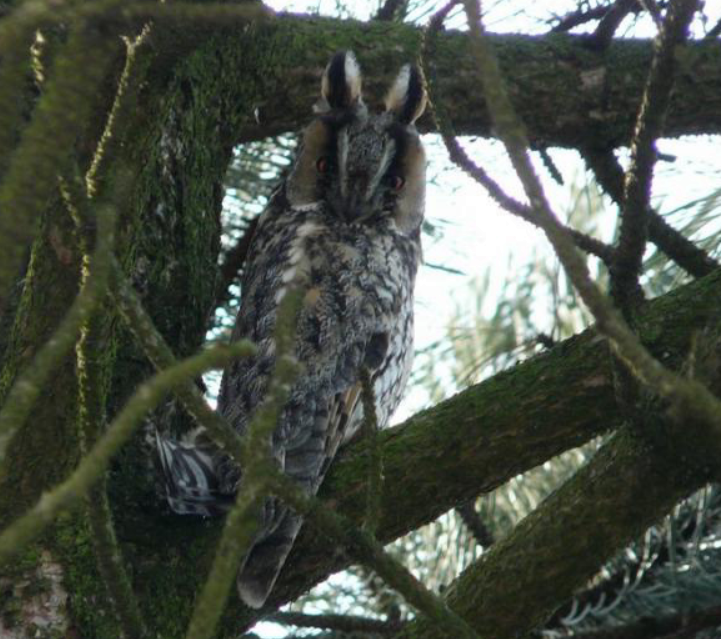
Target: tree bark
{"points": [[197, 95]]}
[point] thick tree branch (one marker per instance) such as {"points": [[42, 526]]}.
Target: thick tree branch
{"points": [[605, 95], [560, 545]]}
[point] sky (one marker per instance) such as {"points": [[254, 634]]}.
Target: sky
{"points": [[476, 234]]}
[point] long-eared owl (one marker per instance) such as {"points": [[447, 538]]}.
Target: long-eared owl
{"points": [[345, 227]]}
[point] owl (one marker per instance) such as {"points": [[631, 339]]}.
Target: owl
{"points": [[345, 227]]}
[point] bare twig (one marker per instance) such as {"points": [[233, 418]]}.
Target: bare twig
{"points": [[94, 464], [628, 257], [342, 623], [680, 249], [579, 17]]}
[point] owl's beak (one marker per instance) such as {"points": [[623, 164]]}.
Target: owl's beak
{"points": [[356, 205]]}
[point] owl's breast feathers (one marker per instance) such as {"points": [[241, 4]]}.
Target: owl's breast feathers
{"points": [[358, 283]]}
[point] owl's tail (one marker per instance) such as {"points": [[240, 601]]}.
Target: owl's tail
{"points": [[266, 558], [191, 480]]}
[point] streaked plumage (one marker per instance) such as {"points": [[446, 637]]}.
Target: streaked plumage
{"points": [[344, 226]]}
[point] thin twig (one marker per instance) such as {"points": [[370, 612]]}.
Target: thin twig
{"points": [[243, 519], [680, 249], [374, 490], [365, 549], [342, 623], [628, 257], [67, 494]]}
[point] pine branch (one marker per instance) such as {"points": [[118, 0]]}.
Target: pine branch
{"points": [[513, 587], [461, 447], [688, 397]]}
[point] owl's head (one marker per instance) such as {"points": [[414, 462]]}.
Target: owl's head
{"points": [[365, 167]]}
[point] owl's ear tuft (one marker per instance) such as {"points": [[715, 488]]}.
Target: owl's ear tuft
{"points": [[407, 97], [341, 84]]}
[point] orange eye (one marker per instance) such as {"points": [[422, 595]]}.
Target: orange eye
{"points": [[322, 165], [397, 182]]}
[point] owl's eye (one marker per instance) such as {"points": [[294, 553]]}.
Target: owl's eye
{"points": [[397, 182], [322, 165]]}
